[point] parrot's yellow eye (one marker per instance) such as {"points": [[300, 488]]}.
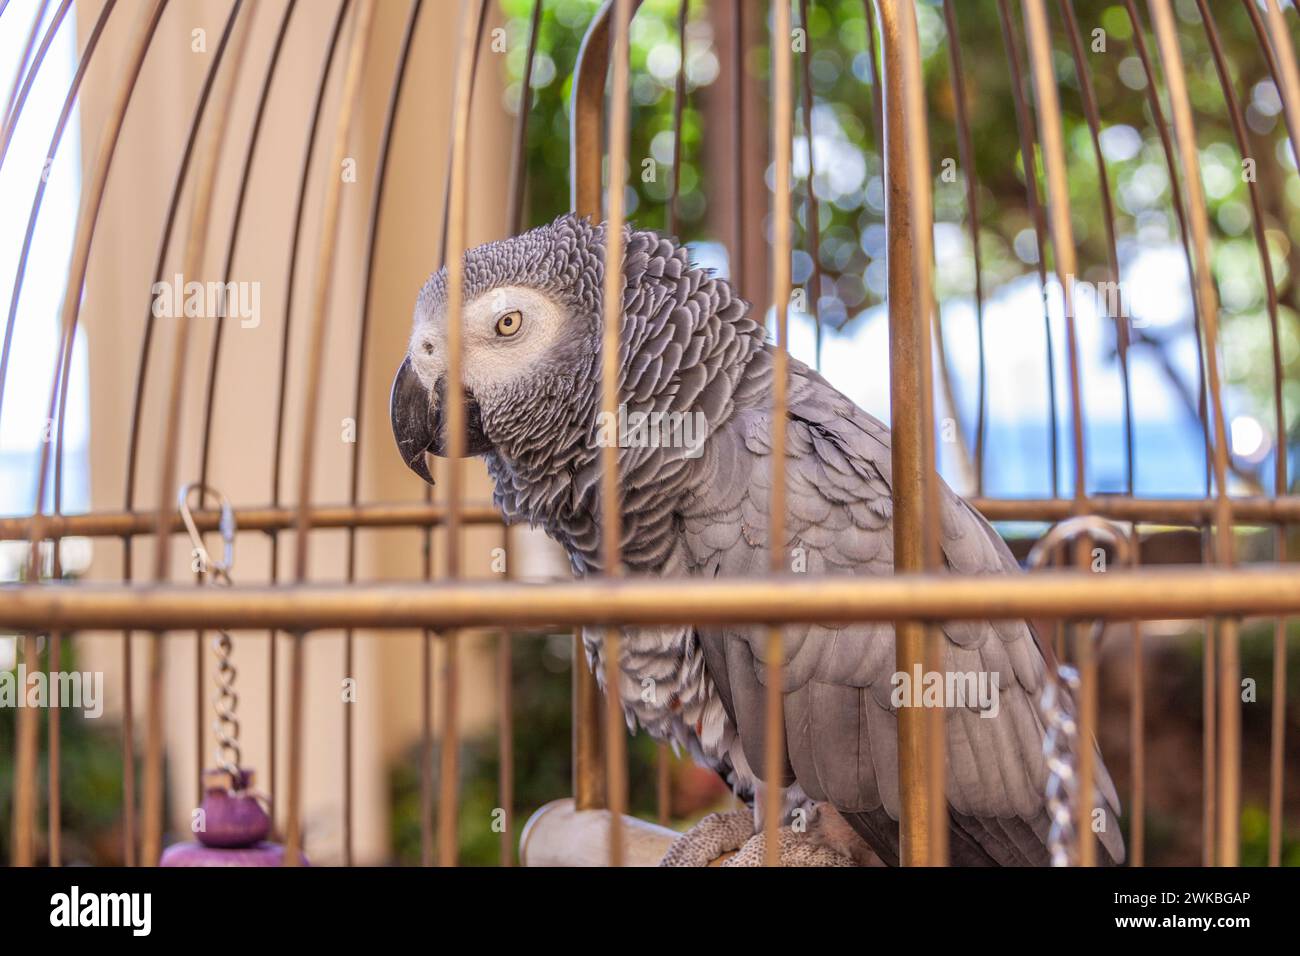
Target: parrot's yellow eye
{"points": [[509, 323]]}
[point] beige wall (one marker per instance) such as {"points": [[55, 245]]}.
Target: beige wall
{"points": [[387, 713]]}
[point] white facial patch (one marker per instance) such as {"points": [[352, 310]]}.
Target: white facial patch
{"points": [[490, 359]]}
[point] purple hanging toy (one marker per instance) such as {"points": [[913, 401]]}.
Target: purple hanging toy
{"points": [[232, 823]]}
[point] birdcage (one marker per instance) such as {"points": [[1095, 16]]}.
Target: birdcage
{"points": [[202, 223]]}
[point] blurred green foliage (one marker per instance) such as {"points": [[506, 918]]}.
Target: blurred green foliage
{"points": [[541, 679], [654, 59], [1254, 840], [90, 788], [848, 182]]}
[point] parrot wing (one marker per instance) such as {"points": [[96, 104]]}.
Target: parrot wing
{"points": [[840, 722]]}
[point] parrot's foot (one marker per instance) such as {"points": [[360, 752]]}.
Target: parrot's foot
{"points": [[733, 832], [712, 836], [796, 849]]}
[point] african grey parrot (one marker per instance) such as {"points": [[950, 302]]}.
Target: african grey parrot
{"points": [[532, 322]]}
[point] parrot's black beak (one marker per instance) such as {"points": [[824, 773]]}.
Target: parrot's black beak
{"points": [[411, 411], [418, 421]]}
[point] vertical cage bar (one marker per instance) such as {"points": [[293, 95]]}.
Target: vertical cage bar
{"points": [[611, 503], [505, 650], [1208, 761], [873, 59], [782, 97], [53, 751], [1289, 91], [811, 207], [173, 210], [1208, 678], [1289, 84], [199, 708], [736, 252], [282, 394], [214, 358], [1287, 70], [20, 272], [679, 105], [199, 649], [472, 18], [449, 703], [1064, 258], [26, 744], [315, 351], [1137, 732], [92, 199], [1277, 720], [218, 330], [427, 801], [1088, 667], [585, 199], [21, 90], [1209, 740], [128, 748], [1229, 703], [1176, 202], [1229, 818], [426, 745], [25, 748], [448, 843], [966, 154], [363, 351], [1093, 119], [1258, 222], [519, 145], [1034, 206], [663, 753], [1058, 199], [934, 734], [11, 101], [192, 265], [615, 745], [908, 260], [505, 727]]}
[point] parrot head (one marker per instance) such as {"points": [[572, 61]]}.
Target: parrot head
{"points": [[529, 340]]}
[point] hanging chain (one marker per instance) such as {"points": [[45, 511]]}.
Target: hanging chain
{"points": [[1060, 747], [226, 726], [226, 702], [1056, 705]]}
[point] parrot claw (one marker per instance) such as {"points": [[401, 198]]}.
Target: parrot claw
{"points": [[710, 838], [720, 834], [796, 849]]}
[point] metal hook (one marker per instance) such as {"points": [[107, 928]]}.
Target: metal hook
{"points": [[1063, 532], [225, 525], [1122, 539]]}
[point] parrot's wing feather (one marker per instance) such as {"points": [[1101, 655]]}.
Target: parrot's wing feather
{"points": [[841, 724]]}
